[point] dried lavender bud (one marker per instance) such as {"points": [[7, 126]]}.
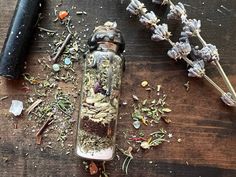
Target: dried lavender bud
{"points": [[161, 33], [228, 100], [177, 12], [184, 37], [179, 50], [198, 69], [162, 2], [208, 53], [149, 19], [192, 27], [136, 7]]}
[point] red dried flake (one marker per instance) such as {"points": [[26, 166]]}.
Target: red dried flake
{"points": [[93, 169], [63, 14]]}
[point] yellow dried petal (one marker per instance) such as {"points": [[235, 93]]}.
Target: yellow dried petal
{"points": [[144, 83]]}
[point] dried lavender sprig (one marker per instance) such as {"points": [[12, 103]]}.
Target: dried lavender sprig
{"points": [[182, 50], [177, 12], [149, 20], [197, 70], [192, 28], [215, 58], [227, 99], [190, 62], [161, 33], [226, 80], [136, 8], [162, 2], [179, 50]]}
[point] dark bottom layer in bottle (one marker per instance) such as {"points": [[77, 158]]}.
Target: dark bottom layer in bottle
{"points": [[102, 130]]}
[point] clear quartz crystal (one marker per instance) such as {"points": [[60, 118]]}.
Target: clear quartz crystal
{"points": [[16, 107], [100, 94]]}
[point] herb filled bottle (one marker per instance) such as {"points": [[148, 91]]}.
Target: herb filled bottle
{"points": [[100, 94]]}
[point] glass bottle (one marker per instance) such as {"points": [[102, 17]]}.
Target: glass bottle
{"points": [[100, 94]]}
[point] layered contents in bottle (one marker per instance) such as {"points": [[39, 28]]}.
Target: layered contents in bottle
{"points": [[99, 105]]}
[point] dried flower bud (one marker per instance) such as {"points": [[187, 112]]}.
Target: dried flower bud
{"points": [[145, 145], [149, 19], [177, 12], [228, 100], [208, 53], [184, 37], [162, 2], [198, 69], [161, 33], [136, 7], [179, 50], [192, 27]]}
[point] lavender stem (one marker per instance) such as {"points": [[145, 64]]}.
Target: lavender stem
{"points": [[188, 61], [226, 80], [201, 39], [220, 69], [206, 77]]}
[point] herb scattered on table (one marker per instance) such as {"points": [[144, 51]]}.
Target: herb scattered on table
{"points": [[66, 47], [147, 112]]}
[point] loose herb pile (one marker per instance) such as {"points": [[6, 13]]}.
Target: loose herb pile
{"points": [[150, 111], [147, 113], [51, 105]]}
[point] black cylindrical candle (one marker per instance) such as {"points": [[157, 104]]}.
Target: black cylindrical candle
{"points": [[17, 40]]}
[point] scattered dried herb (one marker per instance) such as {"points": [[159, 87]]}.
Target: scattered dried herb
{"points": [[150, 110], [135, 98], [41, 130], [34, 105], [46, 85], [155, 139], [60, 50], [129, 157], [187, 86], [3, 98]]}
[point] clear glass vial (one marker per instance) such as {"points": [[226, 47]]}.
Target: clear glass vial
{"points": [[96, 132]]}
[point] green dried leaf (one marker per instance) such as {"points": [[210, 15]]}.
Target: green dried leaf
{"points": [[149, 114], [145, 109]]}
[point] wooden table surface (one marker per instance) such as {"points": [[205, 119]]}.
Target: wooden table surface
{"points": [[204, 124]]}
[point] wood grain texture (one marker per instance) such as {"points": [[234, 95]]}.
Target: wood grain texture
{"points": [[207, 127]]}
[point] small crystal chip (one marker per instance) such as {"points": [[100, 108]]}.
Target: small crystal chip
{"points": [[16, 107], [136, 124]]}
